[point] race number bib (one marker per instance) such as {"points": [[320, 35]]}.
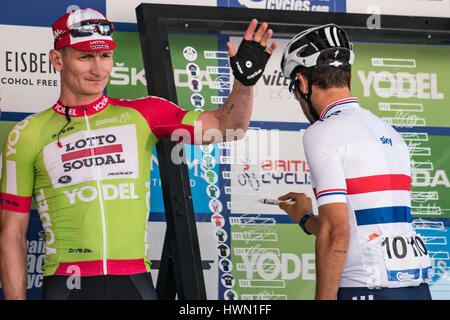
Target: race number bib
{"points": [[406, 258]]}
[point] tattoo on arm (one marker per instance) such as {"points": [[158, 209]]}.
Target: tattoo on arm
{"points": [[228, 107]]}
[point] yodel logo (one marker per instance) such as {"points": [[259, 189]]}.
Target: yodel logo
{"points": [[14, 136], [108, 192], [99, 106], [73, 112]]}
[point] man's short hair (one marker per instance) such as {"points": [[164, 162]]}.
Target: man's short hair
{"points": [[326, 77]]}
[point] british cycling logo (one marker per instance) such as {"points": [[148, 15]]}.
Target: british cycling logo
{"points": [[275, 172]]}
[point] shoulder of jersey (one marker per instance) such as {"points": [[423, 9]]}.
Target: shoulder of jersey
{"points": [[143, 102], [327, 128], [331, 121], [313, 132], [35, 119], [28, 131]]}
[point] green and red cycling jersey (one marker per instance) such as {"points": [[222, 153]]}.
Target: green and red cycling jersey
{"points": [[90, 180]]}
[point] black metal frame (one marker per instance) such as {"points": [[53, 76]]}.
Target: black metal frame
{"points": [[180, 269]]}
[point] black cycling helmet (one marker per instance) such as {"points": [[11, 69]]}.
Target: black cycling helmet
{"points": [[316, 47]]}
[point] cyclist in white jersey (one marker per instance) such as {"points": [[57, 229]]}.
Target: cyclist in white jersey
{"points": [[366, 247]]}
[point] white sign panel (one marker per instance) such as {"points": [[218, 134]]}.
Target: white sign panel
{"points": [[28, 81], [272, 100], [263, 167]]}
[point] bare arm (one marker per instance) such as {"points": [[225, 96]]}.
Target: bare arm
{"points": [[332, 231], [331, 249], [231, 120], [13, 254]]}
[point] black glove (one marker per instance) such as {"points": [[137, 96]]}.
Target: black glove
{"points": [[249, 62]]}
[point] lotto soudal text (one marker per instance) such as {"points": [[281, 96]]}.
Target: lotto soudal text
{"points": [[106, 152], [113, 151]]}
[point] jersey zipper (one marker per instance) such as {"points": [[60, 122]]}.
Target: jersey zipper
{"points": [[100, 199]]}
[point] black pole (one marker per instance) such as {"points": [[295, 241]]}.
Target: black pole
{"points": [[180, 271]]}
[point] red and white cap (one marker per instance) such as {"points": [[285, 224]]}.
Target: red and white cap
{"points": [[95, 42]]}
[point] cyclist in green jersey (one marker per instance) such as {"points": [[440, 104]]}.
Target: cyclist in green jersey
{"points": [[86, 162]]}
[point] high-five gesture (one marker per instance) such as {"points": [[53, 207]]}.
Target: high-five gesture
{"points": [[249, 61]]}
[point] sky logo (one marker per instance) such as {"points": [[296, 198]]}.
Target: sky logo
{"points": [[385, 140]]}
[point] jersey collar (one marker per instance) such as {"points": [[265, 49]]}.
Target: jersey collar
{"points": [[79, 111], [334, 104]]}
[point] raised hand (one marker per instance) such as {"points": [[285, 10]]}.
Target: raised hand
{"points": [[249, 61]]}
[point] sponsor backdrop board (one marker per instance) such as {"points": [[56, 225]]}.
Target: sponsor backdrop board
{"points": [[250, 251], [398, 82]]}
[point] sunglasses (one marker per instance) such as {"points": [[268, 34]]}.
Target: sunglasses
{"points": [[89, 27]]}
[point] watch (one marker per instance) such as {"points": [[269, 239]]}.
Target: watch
{"points": [[302, 222]]}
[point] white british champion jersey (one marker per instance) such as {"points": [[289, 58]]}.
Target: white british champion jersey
{"points": [[357, 158]]}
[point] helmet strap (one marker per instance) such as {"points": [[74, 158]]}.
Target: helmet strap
{"points": [[307, 96]]}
